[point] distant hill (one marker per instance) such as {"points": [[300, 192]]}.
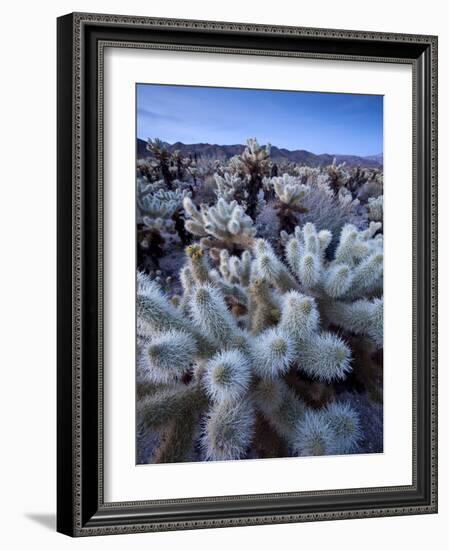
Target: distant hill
{"points": [[208, 151], [378, 158]]}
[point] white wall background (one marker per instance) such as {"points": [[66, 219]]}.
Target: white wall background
{"points": [[27, 273]]}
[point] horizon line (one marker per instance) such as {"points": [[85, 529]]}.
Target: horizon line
{"points": [[264, 144]]}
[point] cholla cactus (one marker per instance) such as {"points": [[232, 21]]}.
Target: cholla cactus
{"points": [[235, 270], [231, 187], [251, 334], [306, 174], [159, 205], [255, 164], [290, 196], [314, 435], [172, 167], [223, 369], [158, 212], [224, 225], [376, 208], [337, 175], [349, 288], [346, 200], [162, 159], [228, 430], [148, 171]]}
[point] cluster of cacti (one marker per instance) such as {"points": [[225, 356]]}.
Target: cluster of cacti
{"points": [[224, 225], [337, 175], [165, 165], [376, 208], [158, 213], [290, 195], [249, 347], [230, 187], [232, 194], [221, 355], [312, 202], [253, 165]]}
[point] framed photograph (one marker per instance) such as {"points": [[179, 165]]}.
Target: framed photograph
{"points": [[247, 280]]}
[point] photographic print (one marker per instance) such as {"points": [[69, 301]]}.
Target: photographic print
{"points": [[259, 246]]}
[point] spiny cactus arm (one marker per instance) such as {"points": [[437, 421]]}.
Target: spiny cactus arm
{"points": [[240, 226], [345, 423], [195, 225], [324, 239], [273, 353], [293, 251], [269, 268], [158, 409], [299, 316], [235, 270], [363, 317], [357, 270], [211, 316], [154, 310], [279, 406], [373, 228], [224, 189], [355, 246], [305, 254], [226, 222], [325, 357], [218, 215], [227, 376], [367, 276], [337, 280], [228, 430], [187, 282], [264, 310], [345, 249], [197, 261], [309, 270], [224, 267], [168, 356], [314, 435], [290, 191], [243, 268], [155, 314], [186, 278]]}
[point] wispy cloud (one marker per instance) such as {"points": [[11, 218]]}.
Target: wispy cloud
{"points": [[153, 115]]}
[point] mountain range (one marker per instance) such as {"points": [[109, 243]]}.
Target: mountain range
{"points": [[299, 156]]}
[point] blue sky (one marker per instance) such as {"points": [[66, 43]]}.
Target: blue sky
{"points": [[317, 122]]}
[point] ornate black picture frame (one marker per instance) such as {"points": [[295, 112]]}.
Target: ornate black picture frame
{"points": [[81, 510]]}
